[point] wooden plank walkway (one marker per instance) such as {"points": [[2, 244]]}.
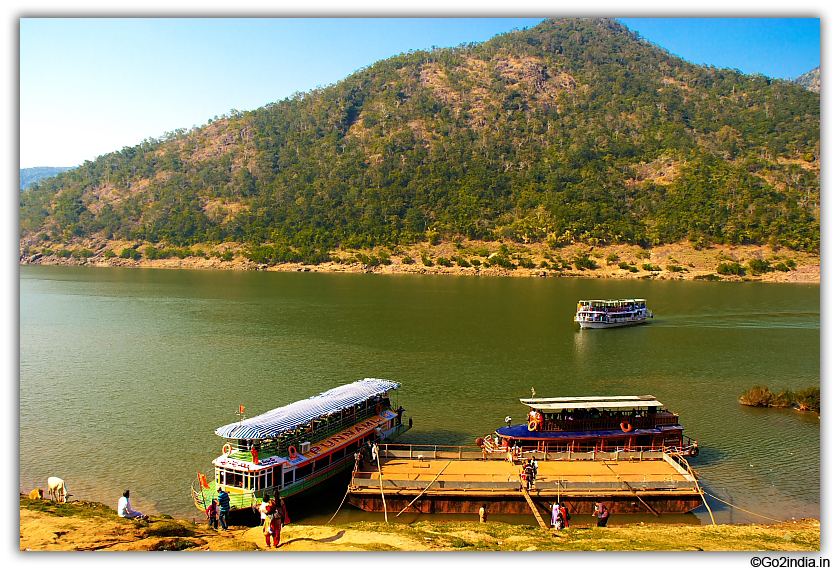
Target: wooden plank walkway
{"points": [[534, 508]]}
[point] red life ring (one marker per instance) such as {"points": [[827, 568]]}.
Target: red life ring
{"points": [[292, 452], [626, 427], [532, 425], [226, 449]]}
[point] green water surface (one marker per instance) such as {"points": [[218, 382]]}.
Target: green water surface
{"points": [[132, 370]]}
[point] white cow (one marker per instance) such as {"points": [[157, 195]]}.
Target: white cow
{"points": [[58, 490]]}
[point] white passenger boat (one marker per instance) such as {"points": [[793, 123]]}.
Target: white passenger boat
{"points": [[601, 314]]}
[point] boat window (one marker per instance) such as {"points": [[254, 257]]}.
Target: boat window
{"points": [[230, 478], [304, 470], [322, 462]]}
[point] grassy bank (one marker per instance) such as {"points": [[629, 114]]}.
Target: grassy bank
{"points": [[83, 525]]}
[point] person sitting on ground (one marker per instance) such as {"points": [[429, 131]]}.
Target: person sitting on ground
{"points": [[124, 508]]}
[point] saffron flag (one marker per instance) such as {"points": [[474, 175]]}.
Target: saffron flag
{"points": [[241, 409], [202, 480]]}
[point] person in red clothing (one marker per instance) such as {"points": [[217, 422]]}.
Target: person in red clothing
{"points": [[213, 514]]}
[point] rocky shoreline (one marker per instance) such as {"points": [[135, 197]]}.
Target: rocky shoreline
{"points": [[668, 262]]}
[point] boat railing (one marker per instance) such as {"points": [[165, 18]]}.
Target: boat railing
{"points": [[583, 424], [491, 447], [645, 421], [321, 431]]}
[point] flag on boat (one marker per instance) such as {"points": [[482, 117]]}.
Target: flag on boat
{"points": [[241, 409], [202, 480]]}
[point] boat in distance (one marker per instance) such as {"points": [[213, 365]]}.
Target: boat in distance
{"points": [[297, 447], [594, 424], [605, 314]]}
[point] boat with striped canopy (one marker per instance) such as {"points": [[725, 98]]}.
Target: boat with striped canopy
{"points": [[293, 448]]}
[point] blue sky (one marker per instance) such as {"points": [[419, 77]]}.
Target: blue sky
{"points": [[90, 86]]}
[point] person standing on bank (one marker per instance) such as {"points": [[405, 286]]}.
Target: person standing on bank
{"points": [[482, 514], [224, 508], [213, 514], [555, 516], [603, 513], [267, 510], [564, 517]]}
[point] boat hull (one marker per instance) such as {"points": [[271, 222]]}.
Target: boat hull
{"points": [[514, 504], [607, 325]]}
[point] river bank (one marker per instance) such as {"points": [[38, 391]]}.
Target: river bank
{"points": [[84, 525], [668, 262]]}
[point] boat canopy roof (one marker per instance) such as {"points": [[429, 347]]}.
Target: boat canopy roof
{"points": [[586, 402], [274, 422]]}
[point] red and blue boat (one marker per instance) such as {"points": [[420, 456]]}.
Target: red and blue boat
{"points": [[594, 423]]}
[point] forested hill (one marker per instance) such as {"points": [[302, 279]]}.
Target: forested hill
{"points": [[34, 174], [571, 131]]}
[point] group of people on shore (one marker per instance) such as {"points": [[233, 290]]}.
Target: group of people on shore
{"points": [[217, 511], [273, 515], [560, 516]]}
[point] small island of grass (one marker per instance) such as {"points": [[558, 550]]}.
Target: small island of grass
{"points": [[804, 400]]}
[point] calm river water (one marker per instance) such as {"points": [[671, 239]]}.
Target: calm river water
{"points": [[126, 373]]}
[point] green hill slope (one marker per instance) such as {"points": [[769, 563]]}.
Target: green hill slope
{"points": [[571, 131], [37, 173]]}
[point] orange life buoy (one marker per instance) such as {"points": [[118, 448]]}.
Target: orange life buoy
{"points": [[626, 427], [292, 452], [532, 425], [227, 449]]}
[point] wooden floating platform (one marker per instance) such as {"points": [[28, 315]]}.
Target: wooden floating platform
{"points": [[421, 479]]}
